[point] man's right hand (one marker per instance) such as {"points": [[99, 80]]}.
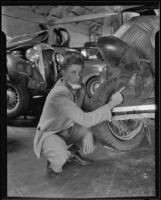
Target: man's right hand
{"points": [[116, 98], [88, 143]]}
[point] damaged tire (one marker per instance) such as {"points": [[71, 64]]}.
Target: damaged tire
{"points": [[122, 135]]}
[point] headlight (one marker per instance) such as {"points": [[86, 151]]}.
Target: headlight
{"points": [[59, 58], [84, 52], [32, 55]]}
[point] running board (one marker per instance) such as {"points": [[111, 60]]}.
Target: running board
{"points": [[134, 112]]}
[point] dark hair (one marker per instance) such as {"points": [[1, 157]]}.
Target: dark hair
{"points": [[70, 58]]}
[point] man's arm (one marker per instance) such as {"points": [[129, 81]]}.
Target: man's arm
{"points": [[100, 98], [70, 109]]}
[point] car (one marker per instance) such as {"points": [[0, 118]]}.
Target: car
{"points": [[33, 69], [94, 65], [129, 55]]}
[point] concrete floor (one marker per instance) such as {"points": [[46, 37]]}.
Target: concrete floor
{"points": [[112, 175]]}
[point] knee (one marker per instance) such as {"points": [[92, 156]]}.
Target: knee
{"points": [[58, 157], [56, 153]]}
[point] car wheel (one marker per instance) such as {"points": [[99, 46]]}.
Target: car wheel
{"points": [[122, 135], [92, 85], [17, 100]]}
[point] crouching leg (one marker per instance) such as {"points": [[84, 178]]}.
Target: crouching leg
{"points": [[56, 152]]}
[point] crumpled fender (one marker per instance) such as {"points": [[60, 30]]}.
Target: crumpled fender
{"points": [[116, 52]]}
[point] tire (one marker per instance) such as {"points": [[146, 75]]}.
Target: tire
{"points": [[92, 85], [17, 100], [107, 134]]}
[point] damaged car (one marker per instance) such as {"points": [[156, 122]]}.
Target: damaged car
{"points": [[129, 55]]}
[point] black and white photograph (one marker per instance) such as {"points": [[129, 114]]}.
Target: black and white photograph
{"points": [[82, 109]]}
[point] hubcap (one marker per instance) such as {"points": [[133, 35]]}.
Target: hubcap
{"points": [[94, 87]]}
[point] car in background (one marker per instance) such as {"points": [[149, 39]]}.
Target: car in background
{"points": [[33, 69], [94, 65]]}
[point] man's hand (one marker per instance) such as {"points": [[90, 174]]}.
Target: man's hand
{"points": [[116, 98], [88, 143]]}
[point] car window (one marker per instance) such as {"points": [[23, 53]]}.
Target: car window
{"points": [[91, 54]]}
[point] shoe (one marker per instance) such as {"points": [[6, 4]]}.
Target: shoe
{"points": [[76, 157], [50, 171], [73, 149]]}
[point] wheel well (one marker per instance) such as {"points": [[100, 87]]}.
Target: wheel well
{"points": [[90, 78]]}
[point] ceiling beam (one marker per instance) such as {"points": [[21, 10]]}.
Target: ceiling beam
{"points": [[69, 9], [109, 8], [20, 13], [65, 11], [80, 18], [93, 22], [82, 28], [76, 28], [54, 11], [85, 8]]}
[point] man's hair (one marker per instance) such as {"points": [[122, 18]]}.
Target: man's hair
{"points": [[70, 58]]}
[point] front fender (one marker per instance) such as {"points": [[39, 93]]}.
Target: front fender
{"points": [[92, 68], [87, 77], [18, 68]]}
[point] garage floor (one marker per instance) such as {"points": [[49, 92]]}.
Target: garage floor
{"points": [[112, 175]]}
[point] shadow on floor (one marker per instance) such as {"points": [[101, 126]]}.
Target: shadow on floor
{"points": [[13, 145]]}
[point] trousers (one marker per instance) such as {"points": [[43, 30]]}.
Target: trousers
{"points": [[55, 147]]}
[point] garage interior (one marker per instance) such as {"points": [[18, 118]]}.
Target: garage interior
{"points": [[111, 174]]}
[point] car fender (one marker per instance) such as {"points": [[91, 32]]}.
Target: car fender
{"points": [[89, 76], [18, 68], [92, 68]]}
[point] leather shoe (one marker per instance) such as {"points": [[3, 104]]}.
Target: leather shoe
{"points": [[50, 171]]}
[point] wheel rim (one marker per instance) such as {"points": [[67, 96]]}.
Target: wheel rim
{"points": [[94, 86], [13, 98], [126, 129]]}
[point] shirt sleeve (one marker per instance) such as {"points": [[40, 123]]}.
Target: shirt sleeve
{"points": [[70, 109]]}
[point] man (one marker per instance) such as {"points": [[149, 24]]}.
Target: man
{"points": [[63, 122]]}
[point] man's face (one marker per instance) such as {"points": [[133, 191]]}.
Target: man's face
{"points": [[73, 74]]}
